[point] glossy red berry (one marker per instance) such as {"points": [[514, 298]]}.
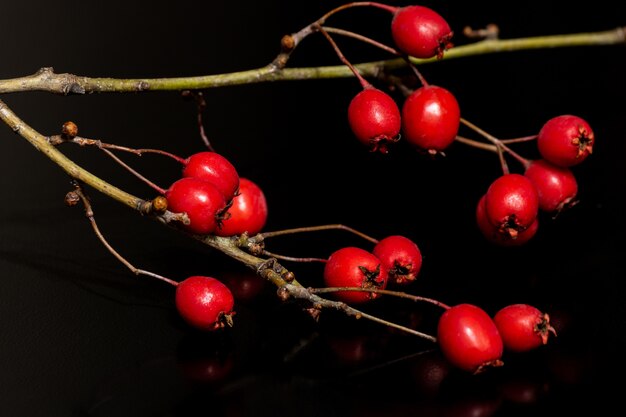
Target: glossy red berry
{"points": [[374, 118], [203, 203], [556, 186], [355, 267], [523, 327], [205, 302], [502, 238], [565, 140], [469, 338], [420, 32], [430, 118], [401, 256], [511, 203], [215, 168], [248, 213]]}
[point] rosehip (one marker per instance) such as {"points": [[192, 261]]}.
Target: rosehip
{"points": [[431, 118], [374, 118], [511, 203], [469, 338], [401, 256], [523, 327], [355, 267], [248, 213], [420, 32], [214, 168], [203, 203], [495, 235], [565, 140], [205, 303], [556, 186]]}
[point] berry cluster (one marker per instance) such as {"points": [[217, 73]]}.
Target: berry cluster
{"points": [[394, 259], [215, 203], [473, 341], [215, 199], [430, 119], [468, 337], [430, 116], [507, 214]]}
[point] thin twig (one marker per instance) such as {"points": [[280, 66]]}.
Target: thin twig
{"points": [[519, 140], [198, 97], [362, 38], [90, 216], [476, 144], [342, 58], [500, 146], [300, 292], [81, 141], [398, 294], [308, 229], [134, 172], [292, 258]]}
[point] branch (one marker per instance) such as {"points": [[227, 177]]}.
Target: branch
{"points": [[48, 81], [269, 269]]}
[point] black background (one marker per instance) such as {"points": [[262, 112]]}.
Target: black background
{"points": [[82, 336]]}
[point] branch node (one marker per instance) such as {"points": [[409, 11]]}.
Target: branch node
{"points": [[72, 198], [143, 86], [73, 88], [45, 70]]}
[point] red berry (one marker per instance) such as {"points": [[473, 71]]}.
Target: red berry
{"points": [[511, 203], [497, 236], [200, 200], [469, 338], [374, 118], [565, 140], [204, 302], [556, 186], [355, 267], [431, 118], [248, 213], [401, 256], [523, 327], [420, 32], [215, 168]]}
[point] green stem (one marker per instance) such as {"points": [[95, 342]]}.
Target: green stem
{"points": [[46, 80]]}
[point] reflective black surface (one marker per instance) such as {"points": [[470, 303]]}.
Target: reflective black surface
{"points": [[82, 336]]}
